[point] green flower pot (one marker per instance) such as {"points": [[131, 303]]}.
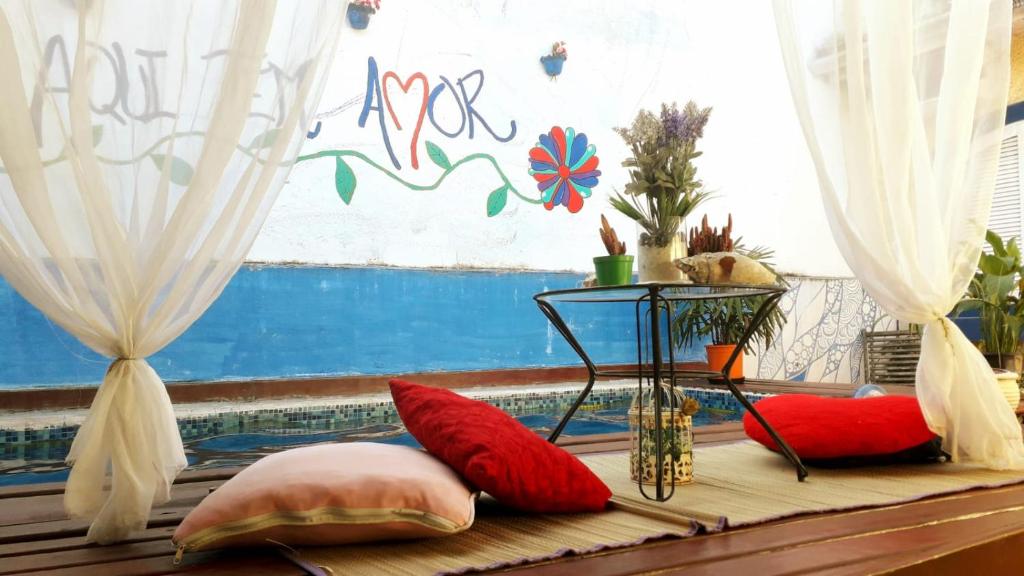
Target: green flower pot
{"points": [[614, 270]]}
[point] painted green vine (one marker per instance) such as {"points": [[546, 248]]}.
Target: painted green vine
{"points": [[345, 178], [180, 171]]}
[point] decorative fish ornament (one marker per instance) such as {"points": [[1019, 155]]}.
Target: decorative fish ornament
{"points": [[726, 268]]}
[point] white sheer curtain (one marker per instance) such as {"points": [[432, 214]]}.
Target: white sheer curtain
{"points": [[142, 143], [902, 105]]}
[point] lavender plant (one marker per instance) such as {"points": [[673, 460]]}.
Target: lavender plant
{"points": [[663, 187]]}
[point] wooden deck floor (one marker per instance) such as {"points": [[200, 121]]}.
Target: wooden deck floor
{"points": [[977, 532]]}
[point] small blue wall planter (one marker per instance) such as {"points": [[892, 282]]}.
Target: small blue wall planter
{"points": [[358, 17], [552, 64]]}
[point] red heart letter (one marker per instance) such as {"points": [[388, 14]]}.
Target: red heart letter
{"points": [[405, 86]]}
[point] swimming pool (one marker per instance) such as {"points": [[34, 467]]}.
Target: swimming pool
{"points": [[237, 438]]}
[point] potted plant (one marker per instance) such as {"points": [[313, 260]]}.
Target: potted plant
{"points": [[707, 239], [554, 61], [359, 12], [725, 321], [995, 294], [663, 187], [616, 268]]}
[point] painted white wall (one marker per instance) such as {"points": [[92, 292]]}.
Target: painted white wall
{"points": [[623, 56]]}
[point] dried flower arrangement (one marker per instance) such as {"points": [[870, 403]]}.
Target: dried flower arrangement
{"points": [[370, 6], [558, 50], [663, 187]]}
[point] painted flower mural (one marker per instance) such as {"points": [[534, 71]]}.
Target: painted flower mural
{"points": [[565, 168]]}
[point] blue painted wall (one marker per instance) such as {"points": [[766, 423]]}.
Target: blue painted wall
{"points": [[970, 324], [280, 322]]}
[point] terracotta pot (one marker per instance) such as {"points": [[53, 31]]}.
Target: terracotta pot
{"points": [[718, 355]]}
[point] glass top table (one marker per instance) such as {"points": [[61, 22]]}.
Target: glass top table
{"points": [[674, 292], [655, 305]]}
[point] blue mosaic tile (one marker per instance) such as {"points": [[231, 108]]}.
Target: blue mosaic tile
{"points": [[13, 443]]}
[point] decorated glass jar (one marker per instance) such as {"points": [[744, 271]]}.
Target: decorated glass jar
{"points": [[675, 427]]}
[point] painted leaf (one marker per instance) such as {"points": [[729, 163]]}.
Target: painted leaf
{"points": [[181, 171], [344, 180], [265, 140], [496, 201], [438, 156], [97, 134]]}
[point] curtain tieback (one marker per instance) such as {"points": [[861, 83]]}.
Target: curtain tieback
{"points": [[122, 359], [945, 322]]}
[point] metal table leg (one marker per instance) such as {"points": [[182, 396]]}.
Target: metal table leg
{"points": [[575, 406], [759, 317], [656, 305], [801, 471], [556, 320], [656, 301]]}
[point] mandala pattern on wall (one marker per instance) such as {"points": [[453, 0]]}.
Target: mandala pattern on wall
{"points": [[822, 341]]}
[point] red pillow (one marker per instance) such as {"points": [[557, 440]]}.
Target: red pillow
{"points": [[827, 429], [496, 453]]}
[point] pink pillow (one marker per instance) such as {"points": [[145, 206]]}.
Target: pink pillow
{"points": [[331, 494]]}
